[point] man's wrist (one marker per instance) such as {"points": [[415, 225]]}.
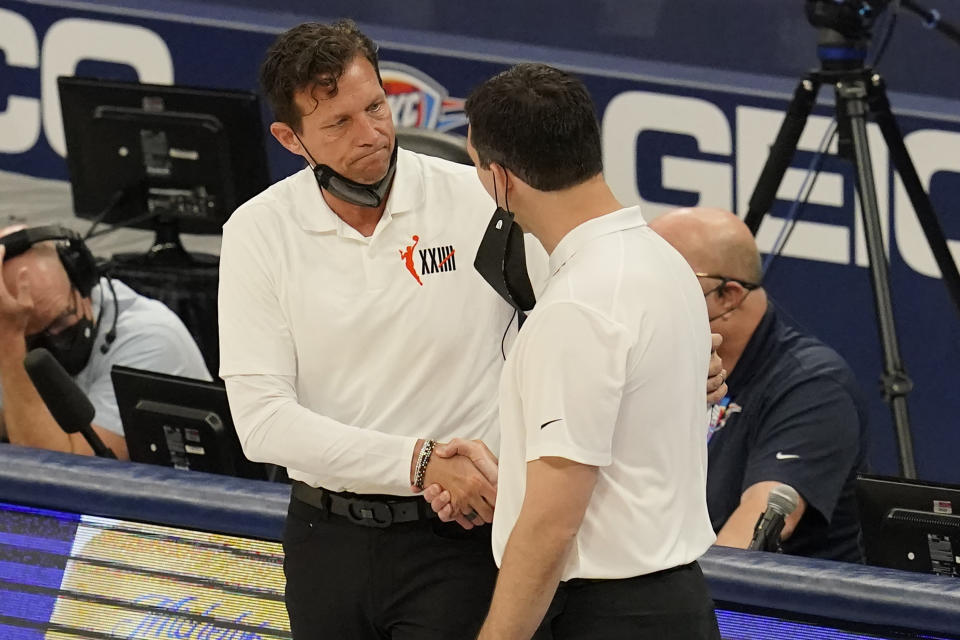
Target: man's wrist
{"points": [[13, 349], [413, 460]]}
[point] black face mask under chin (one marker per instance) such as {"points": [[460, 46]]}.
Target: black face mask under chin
{"points": [[71, 347], [362, 195], [502, 261]]}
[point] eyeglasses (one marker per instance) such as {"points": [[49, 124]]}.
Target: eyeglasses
{"points": [[749, 286], [66, 319]]}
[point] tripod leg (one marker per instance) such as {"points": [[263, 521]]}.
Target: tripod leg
{"points": [[896, 385], [880, 109], [781, 153]]}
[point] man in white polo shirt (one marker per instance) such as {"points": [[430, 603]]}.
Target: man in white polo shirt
{"points": [[602, 457], [355, 332], [354, 329]]}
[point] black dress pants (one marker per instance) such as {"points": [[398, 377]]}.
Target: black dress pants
{"points": [[670, 604], [421, 580]]}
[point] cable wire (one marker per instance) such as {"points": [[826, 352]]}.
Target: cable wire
{"points": [[803, 196]]}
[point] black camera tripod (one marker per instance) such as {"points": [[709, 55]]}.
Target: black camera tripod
{"points": [[861, 93]]}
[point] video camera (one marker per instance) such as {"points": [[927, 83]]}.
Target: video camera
{"points": [[853, 19]]}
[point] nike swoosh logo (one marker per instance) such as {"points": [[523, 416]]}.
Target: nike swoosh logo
{"points": [[551, 422], [786, 456]]}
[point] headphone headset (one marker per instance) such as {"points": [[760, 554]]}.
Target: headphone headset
{"points": [[77, 260]]}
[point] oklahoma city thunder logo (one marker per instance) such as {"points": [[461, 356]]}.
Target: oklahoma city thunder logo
{"points": [[718, 415], [417, 100]]}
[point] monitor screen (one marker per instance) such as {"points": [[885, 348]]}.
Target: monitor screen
{"points": [[140, 155], [180, 422], [910, 525]]}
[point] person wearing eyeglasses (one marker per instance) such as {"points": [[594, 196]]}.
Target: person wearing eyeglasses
{"points": [[88, 324], [793, 412]]}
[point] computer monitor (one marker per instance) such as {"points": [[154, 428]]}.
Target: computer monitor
{"points": [[909, 524], [181, 423], [166, 158]]}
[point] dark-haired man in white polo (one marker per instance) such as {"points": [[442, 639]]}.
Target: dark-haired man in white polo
{"points": [[354, 332], [602, 455]]}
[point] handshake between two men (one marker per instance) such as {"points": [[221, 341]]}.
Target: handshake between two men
{"points": [[460, 480]]}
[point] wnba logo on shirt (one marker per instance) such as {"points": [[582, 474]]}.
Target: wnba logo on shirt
{"points": [[432, 260]]}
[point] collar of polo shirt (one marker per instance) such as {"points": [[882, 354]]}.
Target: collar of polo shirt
{"points": [[586, 231]]}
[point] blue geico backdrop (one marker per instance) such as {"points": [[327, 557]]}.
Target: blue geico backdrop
{"points": [[673, 136]]}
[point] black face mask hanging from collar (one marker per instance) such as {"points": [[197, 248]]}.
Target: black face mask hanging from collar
{"points": [[362, 195], [502, 261]]}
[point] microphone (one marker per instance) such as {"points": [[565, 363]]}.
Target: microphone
{"points": [[782, 502], [68, 405]]}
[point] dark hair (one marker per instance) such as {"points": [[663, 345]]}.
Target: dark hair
{"points": [[311, 55], [540, 123]]}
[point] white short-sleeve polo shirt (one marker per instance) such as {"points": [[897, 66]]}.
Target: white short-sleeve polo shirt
{"points": [[608, 371]]}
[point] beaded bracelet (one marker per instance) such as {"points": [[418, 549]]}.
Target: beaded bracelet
{"points": [[422, 460]]}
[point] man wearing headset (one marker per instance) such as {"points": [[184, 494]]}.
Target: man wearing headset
{"points": [[52, 296]]}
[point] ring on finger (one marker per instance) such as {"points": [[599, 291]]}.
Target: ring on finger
{"points": [[471, 516]]}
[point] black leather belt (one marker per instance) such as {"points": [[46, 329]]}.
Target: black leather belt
{"points": [[366, 511]]}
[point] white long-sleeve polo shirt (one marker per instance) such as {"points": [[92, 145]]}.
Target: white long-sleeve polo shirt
{"points": [[339, 350]]}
